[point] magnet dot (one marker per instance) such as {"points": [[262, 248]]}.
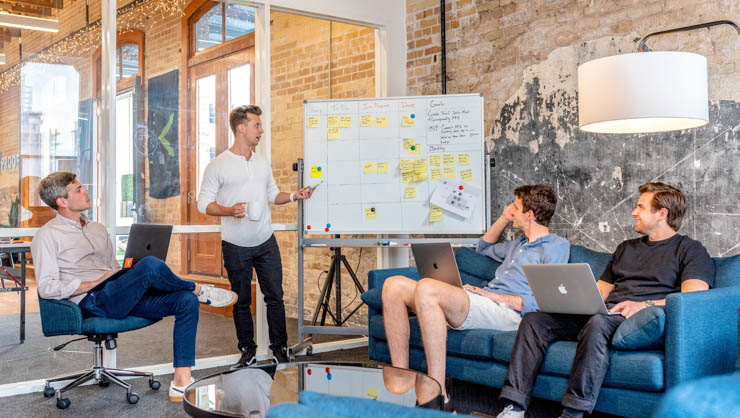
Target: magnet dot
{"points": [[461, 187]]}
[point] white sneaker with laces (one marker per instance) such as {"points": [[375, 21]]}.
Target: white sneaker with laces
{"points": [[176, 393], [216, 297], [509, 412]]}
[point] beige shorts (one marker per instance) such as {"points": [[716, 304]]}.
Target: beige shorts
{"points": [[487, 314]]}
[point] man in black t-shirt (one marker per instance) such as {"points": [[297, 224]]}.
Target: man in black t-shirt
{"points": [[641, 273]]}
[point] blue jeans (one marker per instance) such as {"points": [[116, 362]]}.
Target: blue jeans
{"points": [[151, 290], [265, 259]]}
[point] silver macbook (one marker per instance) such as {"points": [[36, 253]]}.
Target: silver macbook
{"points": [[437, 261], [565, 288]]}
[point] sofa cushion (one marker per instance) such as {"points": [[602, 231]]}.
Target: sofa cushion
{"points": [[727, 271], [598, 261], [374, 298], [639, 370], [643, 330], [479, 266]]}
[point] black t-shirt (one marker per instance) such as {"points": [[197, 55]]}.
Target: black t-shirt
{"points": [[641, 269]]}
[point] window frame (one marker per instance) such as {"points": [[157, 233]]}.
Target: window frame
{"points": [[217, 51]]}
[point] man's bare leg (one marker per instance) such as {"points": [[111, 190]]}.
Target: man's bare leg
{"points": [[398, 298], [439, 304]]}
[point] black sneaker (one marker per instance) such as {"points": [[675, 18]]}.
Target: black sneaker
{"points": [[280, 355], [248, 358]]}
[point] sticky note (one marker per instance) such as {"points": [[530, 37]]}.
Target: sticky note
{"points": [[381, 122], [366, 121], [372, 393], [466, 175], [368, 167], [436, 173], [313, 122], [407, 166], [420, 165], [332, 121], [450, 173], [345, 122], [435, 160], [407, 121], [407, 177], [420, 176], [382, 167], [333, 133], [409, 192], [435, 213], [463, 159], [371, 214], [449, 159], [316, 171]]}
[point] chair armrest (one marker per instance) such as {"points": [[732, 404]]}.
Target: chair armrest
{"points": [[375, 278], [701, 333], [60, 317]]}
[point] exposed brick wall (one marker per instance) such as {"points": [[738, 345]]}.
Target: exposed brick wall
{"points": [[301, 71]]}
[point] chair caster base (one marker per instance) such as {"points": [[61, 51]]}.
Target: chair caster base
{"points": [[49, 392], [154, 384], [132, 398], [63, 403]]}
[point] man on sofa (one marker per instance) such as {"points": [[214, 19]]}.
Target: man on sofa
{"points": [[641, 273], [499, 305], [72, 255]]}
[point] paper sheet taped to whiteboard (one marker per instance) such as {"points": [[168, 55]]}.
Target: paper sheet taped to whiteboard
{"points": [[456, 197]]}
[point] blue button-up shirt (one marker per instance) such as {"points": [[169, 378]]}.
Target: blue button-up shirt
{"points": [[510, 279]]}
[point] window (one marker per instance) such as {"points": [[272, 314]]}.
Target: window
{"points": [[221, 23]]}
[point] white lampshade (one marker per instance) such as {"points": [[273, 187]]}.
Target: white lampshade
{"points": [[643, 92]]}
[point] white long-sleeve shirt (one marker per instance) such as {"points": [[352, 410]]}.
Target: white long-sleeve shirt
{"points": [[65, 254], [229, 179]]}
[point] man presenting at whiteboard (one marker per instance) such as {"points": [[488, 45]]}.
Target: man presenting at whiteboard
{"points": [[238, 186], [500, 305]]}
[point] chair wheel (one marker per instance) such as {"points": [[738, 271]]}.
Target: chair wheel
{"points": [[154, 384], [132, 398], [63, 403], [104, 383], [49, 392]]}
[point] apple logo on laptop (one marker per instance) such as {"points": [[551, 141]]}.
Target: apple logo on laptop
{"points": [[562, 289], [435, 265]]}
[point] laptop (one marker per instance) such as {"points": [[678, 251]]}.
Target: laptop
{"points": [[565, 289], [143, 240], [437, 261]]}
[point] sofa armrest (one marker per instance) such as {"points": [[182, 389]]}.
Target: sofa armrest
{"points": [[60, 317], [375, 278], [701, 333]]}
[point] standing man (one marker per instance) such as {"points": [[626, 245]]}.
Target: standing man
{"points": [[500, 305], [72, 255], [641, 273], [237, 186]]}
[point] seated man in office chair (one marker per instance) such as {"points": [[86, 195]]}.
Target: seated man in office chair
{"points": [[72, 255], [500, 305]]}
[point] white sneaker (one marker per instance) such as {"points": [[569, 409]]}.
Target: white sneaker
{"points": [[216, 297], [509, 412], [176, 392]]}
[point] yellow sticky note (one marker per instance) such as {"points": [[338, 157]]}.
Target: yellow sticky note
{"points": [[332, 121], [463, 159], [382, 167], [366, 121], [368, 167], [436, 173], [381, 122], [371, 214], [373, 393], [407, 177], [409, 192], [420, 165], [435, 213], [333, 133], [435, 160], [409, 145], [450, 173], [448, 159], [407, 166], [407, 121], [313, 122], [346, 122], [466, 175], [420, 176], [316, 171]]}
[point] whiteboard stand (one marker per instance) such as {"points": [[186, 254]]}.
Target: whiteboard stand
{"points": [[334, 278]]}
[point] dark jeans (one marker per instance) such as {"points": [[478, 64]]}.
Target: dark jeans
{"points": [[151, 290], [536, 331], [265, 258]]}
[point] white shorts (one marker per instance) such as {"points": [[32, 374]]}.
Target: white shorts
{"points": [[487, 314]]}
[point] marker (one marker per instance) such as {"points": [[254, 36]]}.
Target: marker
{"points": [[315, 245], [313, 188]]}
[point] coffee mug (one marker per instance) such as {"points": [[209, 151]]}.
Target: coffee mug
{"points": [[255, 210]]}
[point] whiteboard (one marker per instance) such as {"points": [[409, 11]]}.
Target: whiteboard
{"points": [[378, 162]]}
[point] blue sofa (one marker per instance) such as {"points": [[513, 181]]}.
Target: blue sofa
{"points": [[700, 328]]}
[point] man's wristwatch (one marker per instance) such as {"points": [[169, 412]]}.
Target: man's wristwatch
{"points": [[649, 303]]}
